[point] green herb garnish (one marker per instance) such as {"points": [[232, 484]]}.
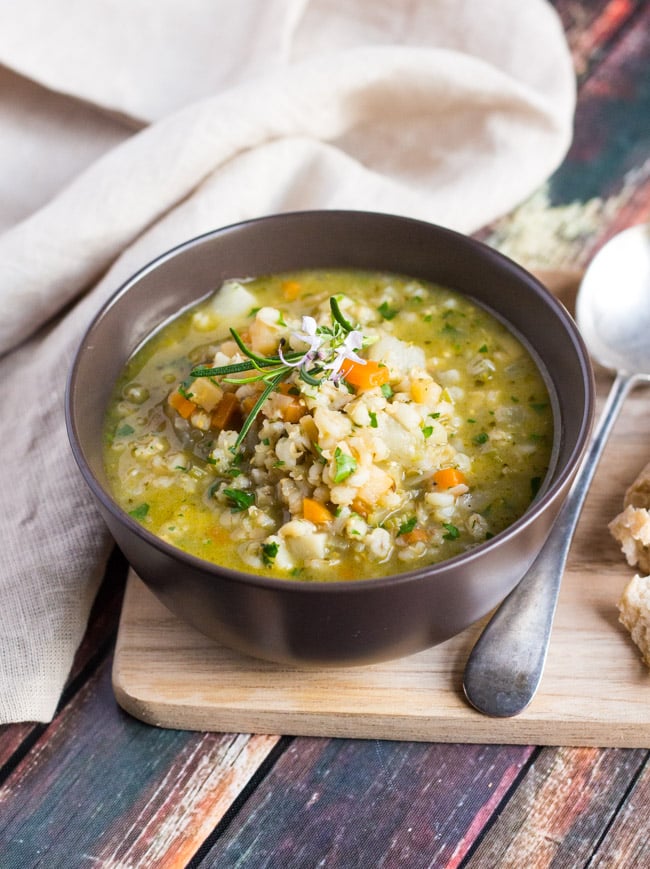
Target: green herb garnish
{"points": [[408, 526], [328, 347], [140, 512], [387, 312], [269, 551], [239, 499], [452, 532], [345, 465]]}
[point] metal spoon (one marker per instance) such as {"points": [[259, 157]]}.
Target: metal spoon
{"points": [[613, 313]]}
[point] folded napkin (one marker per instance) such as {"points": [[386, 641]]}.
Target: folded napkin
{"points": [[133, 127]]}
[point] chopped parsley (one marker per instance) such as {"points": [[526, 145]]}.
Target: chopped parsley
{"points": [[345, 465], [387, 312], [452, 533], [481, 438], [184, 387], [269, 551], [408, 526], [239, 500], [140, 512]]}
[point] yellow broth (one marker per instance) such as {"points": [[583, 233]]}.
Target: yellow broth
{"points": [[340, 480]]}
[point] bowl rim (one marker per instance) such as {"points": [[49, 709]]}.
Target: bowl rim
{"points": [[287, 585]]}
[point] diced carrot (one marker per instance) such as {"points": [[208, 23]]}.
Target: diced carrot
{"points": [[248, 403], [293, 411], [447, 478], [181, 405], [365, 375], [291, 290], [418, 535], [315, 512], [226, 413], [359, 507]]}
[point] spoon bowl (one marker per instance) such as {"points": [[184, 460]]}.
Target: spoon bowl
{"points": [[613, 305], [505, 666]]}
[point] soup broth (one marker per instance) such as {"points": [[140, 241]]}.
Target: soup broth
{"points": [[329, 425]]}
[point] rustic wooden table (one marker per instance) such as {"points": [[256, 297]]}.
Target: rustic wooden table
{"points": [[97, 787]]}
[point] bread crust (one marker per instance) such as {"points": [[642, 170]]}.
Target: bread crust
{"points": [[631, 529], [634, 613]]}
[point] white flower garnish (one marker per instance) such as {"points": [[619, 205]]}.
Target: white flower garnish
{"points": [[307, 336], [352, 341]]}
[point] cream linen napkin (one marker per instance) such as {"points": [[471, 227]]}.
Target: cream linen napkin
{"points": [[168, 120]]}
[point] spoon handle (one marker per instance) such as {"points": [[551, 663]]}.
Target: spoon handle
{"points": [[505, 666]]}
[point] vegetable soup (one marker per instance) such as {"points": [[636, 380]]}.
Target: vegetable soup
{"points": [[329, 425]]}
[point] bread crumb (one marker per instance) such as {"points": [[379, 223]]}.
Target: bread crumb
{"points": [[634, 613]]}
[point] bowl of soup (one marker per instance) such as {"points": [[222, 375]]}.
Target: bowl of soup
{"points": [[330, 438]]}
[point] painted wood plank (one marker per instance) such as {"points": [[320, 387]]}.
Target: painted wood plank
{"points": [[590, 27], [12, 737], [627, 842], [369, 804], [100, 788], [612, 123], [603, 185], [560, 810]]}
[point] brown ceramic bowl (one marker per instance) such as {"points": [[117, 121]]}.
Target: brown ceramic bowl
{"points": [[333, 624]]}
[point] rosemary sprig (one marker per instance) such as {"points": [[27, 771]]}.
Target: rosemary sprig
{"points": [[250, 419], [338, 316], [329, 347]]}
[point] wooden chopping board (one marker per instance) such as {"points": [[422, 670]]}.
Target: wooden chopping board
{"points": [[595, 689]]}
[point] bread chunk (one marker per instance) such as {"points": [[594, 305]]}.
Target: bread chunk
{"points": [[634, 613], [638, 495], [631, 529]]}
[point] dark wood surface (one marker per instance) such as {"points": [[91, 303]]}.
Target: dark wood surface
{"points": [[98, 788]]}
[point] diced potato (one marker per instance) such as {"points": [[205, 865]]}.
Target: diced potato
{"points": [[397, 354], [206, 393], [332, 427], [233, 300], [376, 486], [266, 330], [302, 540], [424, 390]]}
